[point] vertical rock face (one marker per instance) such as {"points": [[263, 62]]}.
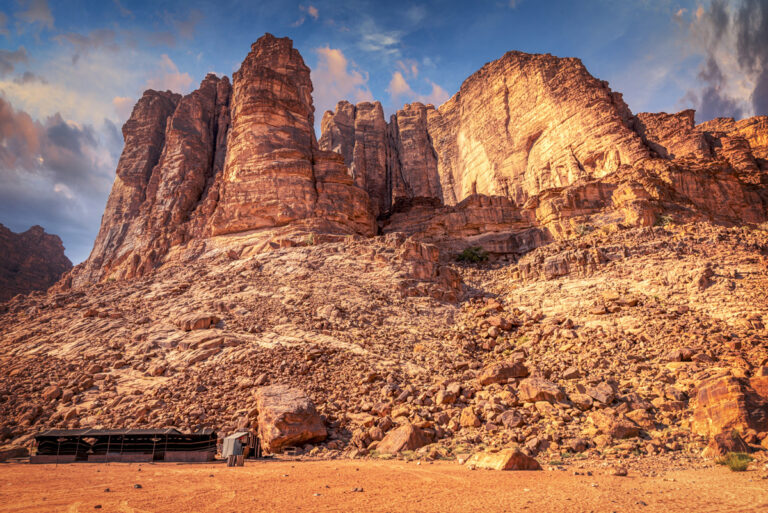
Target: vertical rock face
{"points": [[268, 178], [144, 135], [393, 161], [743, 144], [531, 148], [169, 160], [525, 123], [672, 135], [223, 159], [32, 260], [359, 134], [412, 162], [275, 172]]}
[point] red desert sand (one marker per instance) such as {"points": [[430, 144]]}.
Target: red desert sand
{"points": [[366, 486]]}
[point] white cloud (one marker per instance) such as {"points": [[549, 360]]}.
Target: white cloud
{"points": [[313, 12], [399, 87], [169, 77], [373, 39], [436, 97], [335, 79], [409, 67], [400, 90], [123, 106]]}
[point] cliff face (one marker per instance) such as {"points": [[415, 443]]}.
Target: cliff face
{"points": [[532, 148], [525, 123], [220, 160], [32, 260]]}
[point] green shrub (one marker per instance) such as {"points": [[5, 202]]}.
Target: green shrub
{"points": [[664, 220], [736, 461], [475, 254], [583, 229]]}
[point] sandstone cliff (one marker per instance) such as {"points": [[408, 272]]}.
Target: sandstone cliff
{"points": [[32, 260], [220, 160], [532, 148]]}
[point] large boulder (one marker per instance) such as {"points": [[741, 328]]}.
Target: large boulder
{"points": [[287, 417], [507, 459], [501, 372], [533, 390], [726, 403], [405, 438]]}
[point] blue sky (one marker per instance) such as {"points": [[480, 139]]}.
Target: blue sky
{"points": [[70, 71]]}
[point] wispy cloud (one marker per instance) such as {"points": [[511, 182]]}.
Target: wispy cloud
{"points": [[169, 77], [55, 173], [9, 60], [400, 90], [85, 43], [374, 39], [35, 12], [734, 72], [310, 10], [124, 12], [335, 78]]}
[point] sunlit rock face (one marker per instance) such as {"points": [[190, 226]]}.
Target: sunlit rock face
{"points": [[525, 123], [531, 149], [223, 159]]}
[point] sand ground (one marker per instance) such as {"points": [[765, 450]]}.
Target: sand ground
{"points": [[387, 486]]}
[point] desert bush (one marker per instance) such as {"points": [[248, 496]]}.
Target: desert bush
{"points": [[664, 220], [475, 255], [736, 461]]}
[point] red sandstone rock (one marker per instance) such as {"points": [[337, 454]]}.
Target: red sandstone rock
{"points": [[32, 260], [728, 403], [275, 172], [286, 417], [404, 438], [506, 459], [525, 123]]}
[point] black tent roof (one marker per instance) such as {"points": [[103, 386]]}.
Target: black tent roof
{"points": [[109, 432]]}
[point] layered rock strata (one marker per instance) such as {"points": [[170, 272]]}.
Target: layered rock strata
{"points": [[223, 159], [31, 260], [532, 148]]}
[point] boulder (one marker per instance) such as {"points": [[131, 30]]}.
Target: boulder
{"points": [[468, 418], [615, 425], [405, 438], [726, 403], [52, 392], [532, 390], [197, 321], [501, 372], [723, 443], [287, 417], [511, 419], [506, 459], [603, 393]]}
